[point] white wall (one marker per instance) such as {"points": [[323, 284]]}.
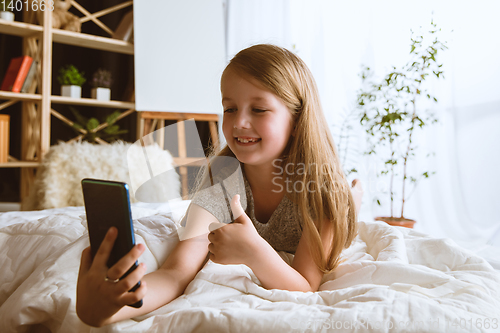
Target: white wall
{"points": [[179, 55]]}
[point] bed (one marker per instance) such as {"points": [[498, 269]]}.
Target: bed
{"points": [[392, 280]]}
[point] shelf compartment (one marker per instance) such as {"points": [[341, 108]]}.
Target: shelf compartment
{"points": [[20, 29], [92, 102], [8, 95], [91, 41]]}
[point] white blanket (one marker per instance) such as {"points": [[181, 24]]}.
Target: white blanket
{"points": [[393, 279]]}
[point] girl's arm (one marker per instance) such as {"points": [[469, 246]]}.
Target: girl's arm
{"points": [[303, 275], [239, 243], [102, 302]]}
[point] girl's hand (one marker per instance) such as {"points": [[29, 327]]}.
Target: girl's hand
{"points": [[237, 242], [98, 297]]}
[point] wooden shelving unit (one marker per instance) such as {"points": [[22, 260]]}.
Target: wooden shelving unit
{"points": [[20, 29], [91, 102], [7, 95], [92, 42], [37, 105]]}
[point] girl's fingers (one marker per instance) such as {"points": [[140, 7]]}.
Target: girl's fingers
{"points": [[211, 248], [102, 254], [86, 260], [134, 296], [131, 280], [211, 236], [124, 264], [236, 207]]}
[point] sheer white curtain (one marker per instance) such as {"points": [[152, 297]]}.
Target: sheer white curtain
{"points": [[252, 22], [336, 37]]}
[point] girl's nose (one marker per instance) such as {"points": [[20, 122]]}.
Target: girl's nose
{"points": [[242, 119]]}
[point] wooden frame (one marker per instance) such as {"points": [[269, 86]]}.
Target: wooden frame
{"points": [[148, 121]]}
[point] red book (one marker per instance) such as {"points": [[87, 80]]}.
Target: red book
{"points": [[16, 73]]}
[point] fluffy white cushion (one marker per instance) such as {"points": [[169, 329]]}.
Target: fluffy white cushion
{"points": [[58, 179]]}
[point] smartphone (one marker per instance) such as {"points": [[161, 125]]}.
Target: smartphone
{"points": [[107, 204]]}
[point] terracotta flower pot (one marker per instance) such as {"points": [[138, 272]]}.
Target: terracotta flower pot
{"points": [[397, 221]]}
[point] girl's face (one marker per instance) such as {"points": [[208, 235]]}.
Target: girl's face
{"points": [[257, 124]]}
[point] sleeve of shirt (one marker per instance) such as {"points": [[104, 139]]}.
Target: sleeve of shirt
{"points": [[216, 198]]}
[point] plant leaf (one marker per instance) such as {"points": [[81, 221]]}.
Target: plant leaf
{"points": [[92, 124], [111, 119], [82, 121]]}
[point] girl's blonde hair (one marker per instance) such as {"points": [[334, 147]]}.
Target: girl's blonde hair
{"points": [[327, 197]]}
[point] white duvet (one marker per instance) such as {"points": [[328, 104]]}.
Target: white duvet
{"points": [[393, 280]]}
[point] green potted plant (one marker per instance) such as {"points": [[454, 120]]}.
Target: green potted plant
{"points": [[71, 81], [101, 85], [106, 130], [7, 10], [392, 110]]}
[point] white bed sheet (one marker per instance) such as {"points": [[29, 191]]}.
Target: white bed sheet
{"points": [[393, 279]]}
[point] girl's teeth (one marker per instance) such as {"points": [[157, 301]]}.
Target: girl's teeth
{"points": [[246, 141]]}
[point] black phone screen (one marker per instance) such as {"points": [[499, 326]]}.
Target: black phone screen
{"points": [[107, 204]]}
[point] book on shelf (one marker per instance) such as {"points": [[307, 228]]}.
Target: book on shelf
{"points": [[16, 74], [125, 28], [4, 138], [29, 78]]}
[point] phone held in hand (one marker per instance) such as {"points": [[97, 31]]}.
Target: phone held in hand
{"points": [[107, 204]]}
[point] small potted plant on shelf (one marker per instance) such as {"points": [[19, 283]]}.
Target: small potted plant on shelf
{"points": [[71, 81], [7, 10], [392, 109], [101, 85], [96, 131]]}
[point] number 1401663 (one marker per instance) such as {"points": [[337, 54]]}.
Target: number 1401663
{"points": [[26, 5]]}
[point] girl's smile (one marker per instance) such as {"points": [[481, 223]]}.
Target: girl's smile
{"points": [[257, 124], [243, 141]]}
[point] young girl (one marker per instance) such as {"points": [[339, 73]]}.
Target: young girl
{"points": [[296, 196]]}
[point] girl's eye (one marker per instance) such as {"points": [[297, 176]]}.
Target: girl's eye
{"points": [[254, 110]]}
